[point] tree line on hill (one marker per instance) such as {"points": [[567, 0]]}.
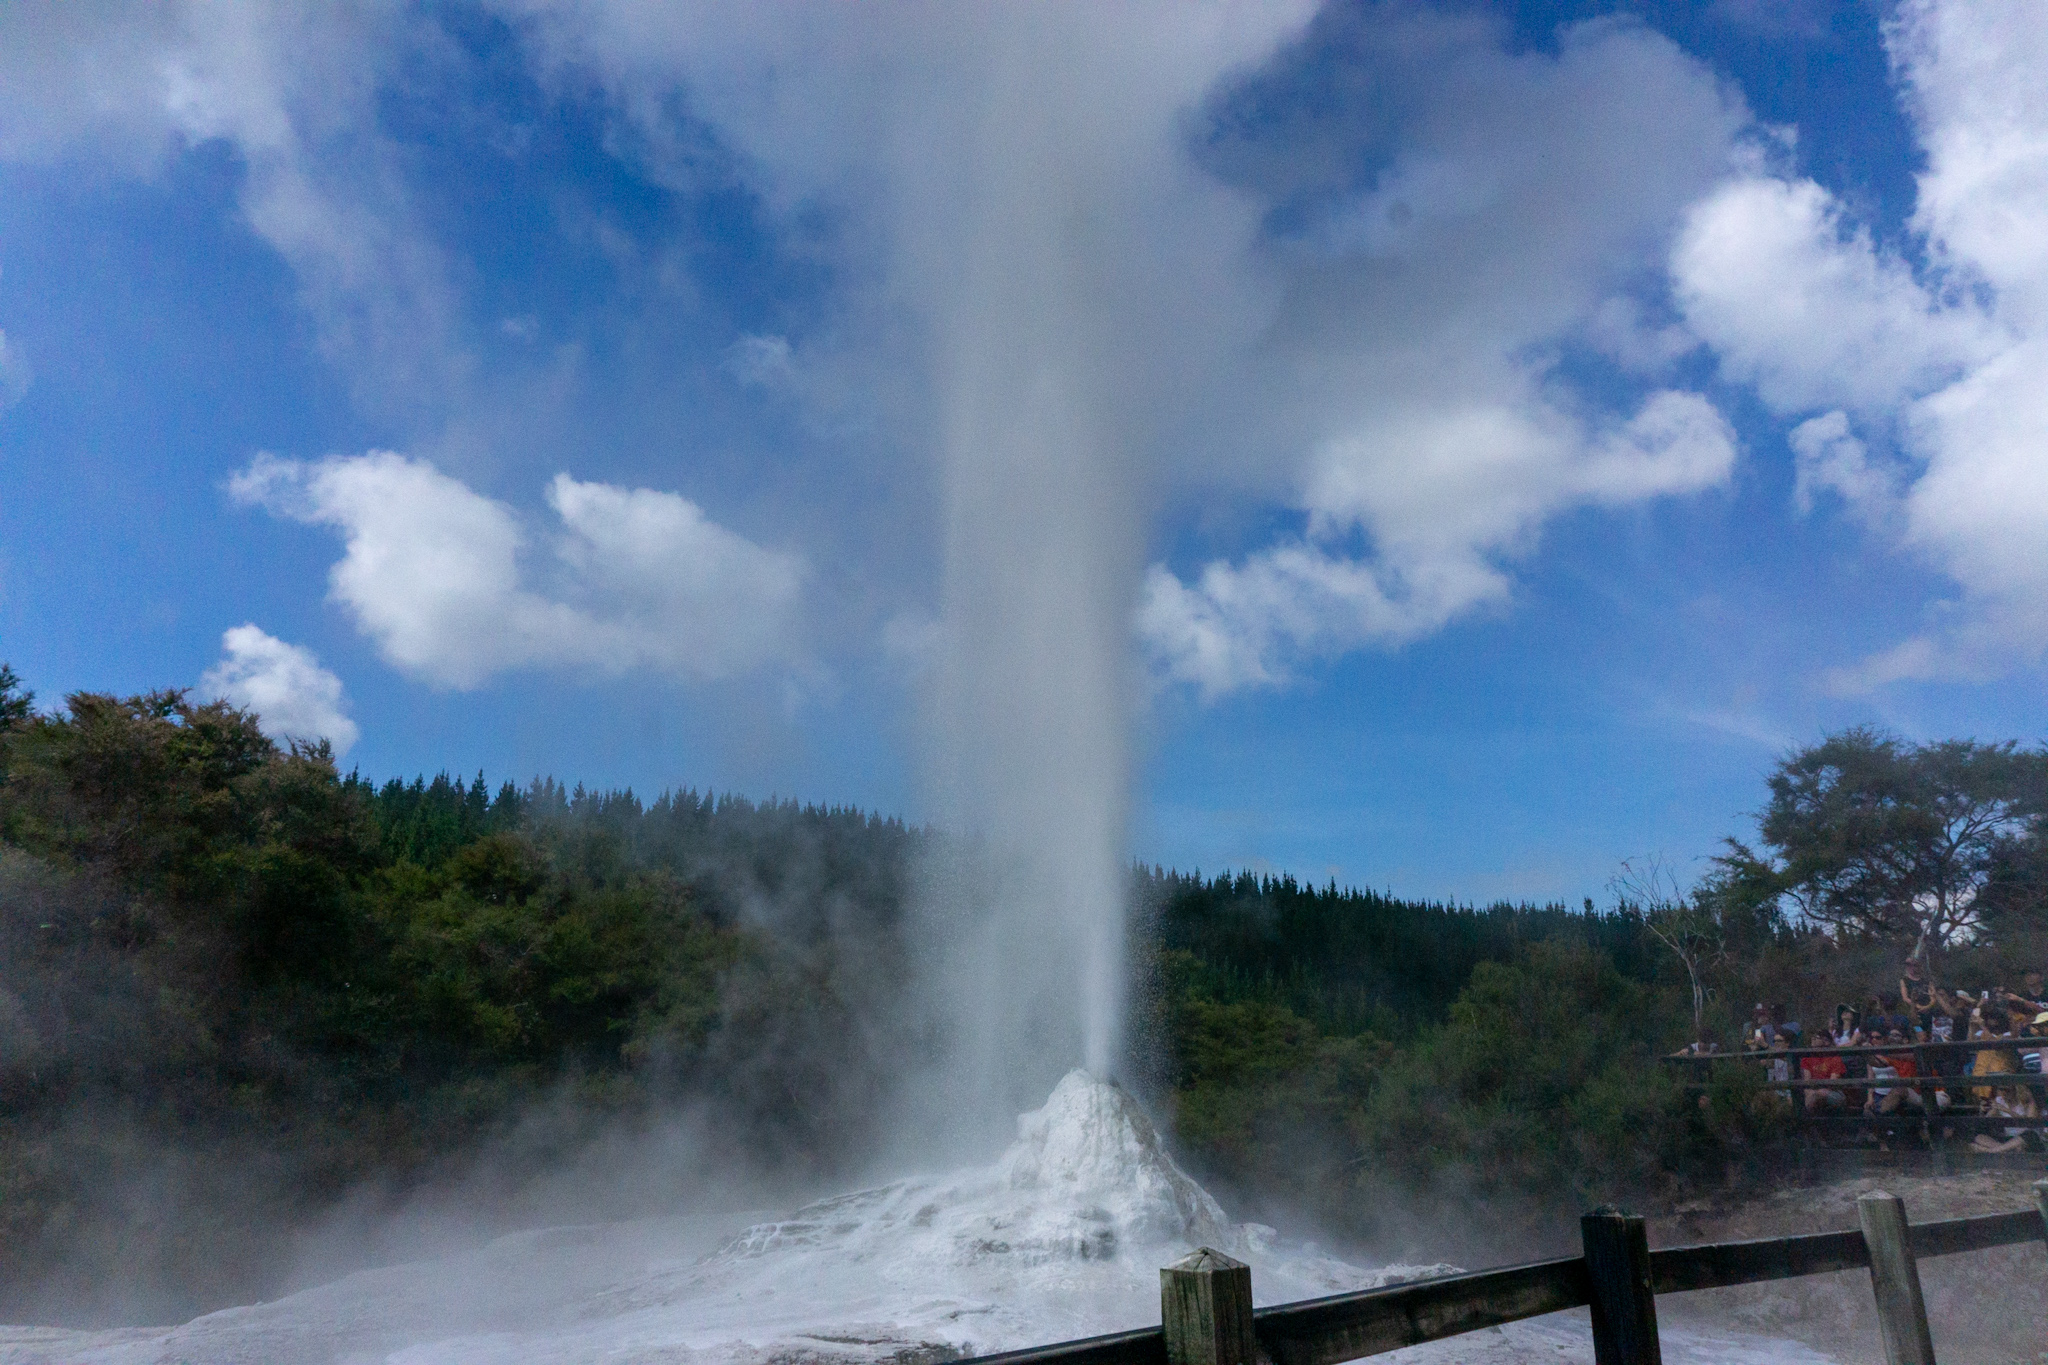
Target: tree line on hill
{"points": [[1350, 1054], [236, 985]]}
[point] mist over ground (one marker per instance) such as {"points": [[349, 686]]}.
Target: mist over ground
{"points": [[264, 1022], [267, 1024], [971, 405]]}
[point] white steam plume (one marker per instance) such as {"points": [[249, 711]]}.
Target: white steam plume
{"points": [[1022, 174], [1048, 347], [1082, 256]]}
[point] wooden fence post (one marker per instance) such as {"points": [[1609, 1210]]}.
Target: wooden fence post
{"points": [[1205, 1307], [1895, 1277], [1624, 1305]]}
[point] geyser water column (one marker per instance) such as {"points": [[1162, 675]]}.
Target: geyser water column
{"points": [[1042, 554], [1081, 283], [1038, 281]]}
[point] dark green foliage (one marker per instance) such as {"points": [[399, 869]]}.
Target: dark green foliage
{"points": [[2013, 902], [175, 798], [1742, 899], [1320, 1044], [227, 970], [1545, 1077], [1873, 837], [1260, 1096], [221, 955], [1350, 960], [423, 823], [16, 704], [1511, 1052]]}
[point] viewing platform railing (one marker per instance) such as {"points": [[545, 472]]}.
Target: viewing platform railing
{"points": [[1933, 1118], [1207, 1316]]}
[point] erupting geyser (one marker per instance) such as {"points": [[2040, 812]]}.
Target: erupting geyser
{"points": [[1041, 567], [1063, 1235], [1060, 1237], [1047, 229]]}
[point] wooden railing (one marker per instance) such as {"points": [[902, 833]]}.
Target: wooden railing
{"points": [[1927, 1114], [1206, 1299]]}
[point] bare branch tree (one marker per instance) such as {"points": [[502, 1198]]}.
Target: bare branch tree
{"points": [[1649, 887]]}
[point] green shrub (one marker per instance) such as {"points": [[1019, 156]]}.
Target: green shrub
{"points": [[1545, 1078]]}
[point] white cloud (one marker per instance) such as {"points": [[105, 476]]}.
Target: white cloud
{"points": [[14, 373], [1620, 330], [439, 575], [1388, 370], [291, 694], [1478, 490], [1950, 365], [1973, 79], [763, 361], [1828, 458], [1980, 509], [912, 641], [1800, 303], [1421, 330], [691, 596], [292, 89], [1402, 342]]}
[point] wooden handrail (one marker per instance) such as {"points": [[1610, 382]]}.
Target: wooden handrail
{"points": [[1347, 1326], [1341, 1327], [1997, 1080], [1765, 1054], [1976, 1234], [1146, 1346], [1718, 1265], [1911, 1121]]}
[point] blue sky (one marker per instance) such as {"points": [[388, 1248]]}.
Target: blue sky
{"points": [[1492, 434]]}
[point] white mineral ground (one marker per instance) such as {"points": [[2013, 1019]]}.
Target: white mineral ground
{"points": [[1062, 1237]]}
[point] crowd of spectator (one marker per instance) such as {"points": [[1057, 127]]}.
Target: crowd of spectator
{"points": [[1994, 1031]]}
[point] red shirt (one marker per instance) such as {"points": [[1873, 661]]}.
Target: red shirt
{"points": [[1823, 1069], [1905, 1063]]}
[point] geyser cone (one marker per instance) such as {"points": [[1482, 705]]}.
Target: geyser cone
{"points": [[1062, 1235]]}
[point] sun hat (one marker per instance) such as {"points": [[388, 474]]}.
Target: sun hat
{"points": [[2042, 1017]]}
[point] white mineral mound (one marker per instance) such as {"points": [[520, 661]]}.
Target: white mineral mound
{"points": [[1061, 1237]]}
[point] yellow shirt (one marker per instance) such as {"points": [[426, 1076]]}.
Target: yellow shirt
{"points": [[1991, 1062]]}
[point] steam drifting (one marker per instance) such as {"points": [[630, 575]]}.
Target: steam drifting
{"points": [[1093, 260], [1045, 379], [1022, 178], [1088, 261]]}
